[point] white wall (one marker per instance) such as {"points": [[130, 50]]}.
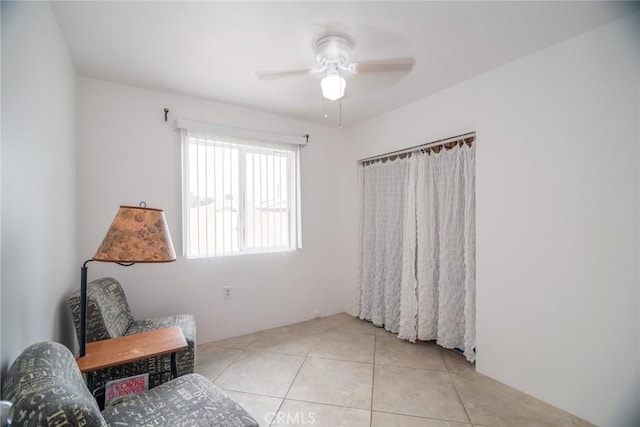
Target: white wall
{"points": [[637, 409], [128, 153], [39, 265], [557, 215], [1, 359]]}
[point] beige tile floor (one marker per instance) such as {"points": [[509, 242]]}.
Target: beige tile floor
{"points": [[342, 371]]}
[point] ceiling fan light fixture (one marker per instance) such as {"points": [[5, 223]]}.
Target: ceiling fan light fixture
{"points": [[333, 86]]}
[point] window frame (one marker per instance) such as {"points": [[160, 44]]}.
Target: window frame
{"points": [[244, 147]]}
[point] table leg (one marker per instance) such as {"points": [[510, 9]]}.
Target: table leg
{"points": [[174, 366], [90, 382]]}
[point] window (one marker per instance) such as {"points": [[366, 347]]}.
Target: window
{"points": [[240, 195]]}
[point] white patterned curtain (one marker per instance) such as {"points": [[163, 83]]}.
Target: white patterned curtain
{"points": [[383, 188], [417, 271]]}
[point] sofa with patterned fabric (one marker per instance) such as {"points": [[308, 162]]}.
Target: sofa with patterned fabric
{"points": [[109, 316], [47, 389]]}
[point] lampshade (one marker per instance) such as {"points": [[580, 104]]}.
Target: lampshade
{"points": [[137, 234], [333, 86]]}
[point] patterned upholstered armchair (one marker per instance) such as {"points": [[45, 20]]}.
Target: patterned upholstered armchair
{"points": [[47, 389], [109, 316]]}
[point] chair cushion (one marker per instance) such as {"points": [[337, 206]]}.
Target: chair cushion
{"points": [[108, 312], [190, 400], [47, 389]]}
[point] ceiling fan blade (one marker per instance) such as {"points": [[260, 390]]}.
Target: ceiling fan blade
{"points": [[385, 66], [268, 75]]}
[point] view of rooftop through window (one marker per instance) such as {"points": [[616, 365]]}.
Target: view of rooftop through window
{"points": [[241, 195]]}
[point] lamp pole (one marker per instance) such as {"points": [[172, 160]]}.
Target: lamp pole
{"points": [[83, 308]]}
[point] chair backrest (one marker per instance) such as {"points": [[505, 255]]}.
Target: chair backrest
{"points": [[47, 389], [108, 312]]}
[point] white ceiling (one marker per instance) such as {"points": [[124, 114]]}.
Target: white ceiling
{"points": [[213, 49]]}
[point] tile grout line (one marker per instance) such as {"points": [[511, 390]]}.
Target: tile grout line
{"points": [[251, 393], [373, 379], [231, 363], [444, 361], [307, 356], [291, 385], [458, 393], [424, 417], [335, 405]]}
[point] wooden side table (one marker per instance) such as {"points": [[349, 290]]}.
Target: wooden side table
{"points": [[130, 348]]}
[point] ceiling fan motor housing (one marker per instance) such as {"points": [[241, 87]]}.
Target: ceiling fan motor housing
{"points": [[333, 50]]}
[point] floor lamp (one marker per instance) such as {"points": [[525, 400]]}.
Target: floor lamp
{"points": [[137, 235]]}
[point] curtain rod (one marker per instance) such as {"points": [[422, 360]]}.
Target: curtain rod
{"points": [[420, 147], [240, 132]]}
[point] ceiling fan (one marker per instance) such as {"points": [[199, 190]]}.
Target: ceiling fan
{"points": [[333, 54]]}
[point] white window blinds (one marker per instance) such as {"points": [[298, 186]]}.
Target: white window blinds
{"points": [[241, 195]]}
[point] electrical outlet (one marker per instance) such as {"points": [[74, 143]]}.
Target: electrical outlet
{"points": [[226, 292]]}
